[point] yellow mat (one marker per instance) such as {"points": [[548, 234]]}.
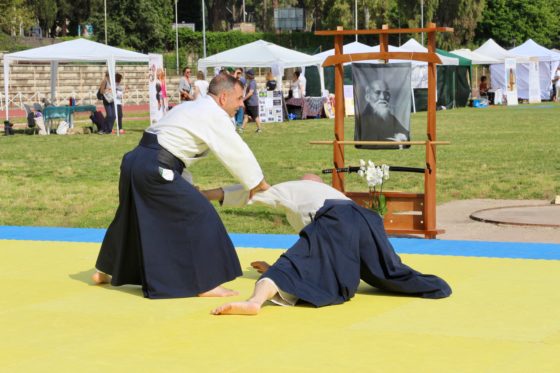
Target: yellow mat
{"points": [[504, 316]]}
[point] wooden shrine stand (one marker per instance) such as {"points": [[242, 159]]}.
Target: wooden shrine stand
{"points": [[408, 213]]}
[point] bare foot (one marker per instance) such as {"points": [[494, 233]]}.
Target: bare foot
{"points": [[260, 266], [100, 278], [219, 291], [237, 308]]}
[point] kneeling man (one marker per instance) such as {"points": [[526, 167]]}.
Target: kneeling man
{"points": [[340, 243]]}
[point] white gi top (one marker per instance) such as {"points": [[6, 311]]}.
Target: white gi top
{"points": [[190, 130], [299, 199]]}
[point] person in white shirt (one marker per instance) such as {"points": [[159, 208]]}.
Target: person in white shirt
{"points": [[166, 236], [340, 243], [200, 85], [296, 86], [119, 95], [303, 84]]}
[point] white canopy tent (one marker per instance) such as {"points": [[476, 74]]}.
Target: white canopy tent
{"points": [[497, 73], [492, 49], [262, 53], [548, 62], [353, 47], [476, 58], [357, 47], [419, 68], [71, 51], [413, 46]]}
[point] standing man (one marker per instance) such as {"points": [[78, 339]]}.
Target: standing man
{"points": [[238, 74], [186, 91], [166, 236], [251, 100]]}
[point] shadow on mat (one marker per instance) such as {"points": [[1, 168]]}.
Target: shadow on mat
{"points": [[365, 289], [85, 277]]}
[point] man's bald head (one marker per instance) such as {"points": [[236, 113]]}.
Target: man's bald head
{"points": [[312, 177]]}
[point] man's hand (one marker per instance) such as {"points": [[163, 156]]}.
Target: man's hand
{"points": [[261, 187], [213, 194]]}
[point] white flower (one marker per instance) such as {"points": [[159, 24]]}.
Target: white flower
{"points": [[385, 171], [374, 175]]}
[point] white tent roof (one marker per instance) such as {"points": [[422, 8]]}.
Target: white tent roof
{"points": [[69, 51], [492, 49], [413, 46], [357, 47], [532, 49], [476, 58], [259, 53], [354, 47], [76, 50]]}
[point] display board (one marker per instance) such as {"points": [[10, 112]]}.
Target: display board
{"points": [[510, 70], [270, 106]]}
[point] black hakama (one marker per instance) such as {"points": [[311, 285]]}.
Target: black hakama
{"points": [[346, 243], [166, 236]]}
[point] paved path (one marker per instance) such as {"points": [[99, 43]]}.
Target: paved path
{"points": [[455, 218]]}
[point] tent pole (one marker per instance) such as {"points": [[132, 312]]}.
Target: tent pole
{"points": [[177, 37], [6, 83]]}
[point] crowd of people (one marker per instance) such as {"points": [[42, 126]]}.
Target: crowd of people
{"points": [[190, 89], [249, 112]]}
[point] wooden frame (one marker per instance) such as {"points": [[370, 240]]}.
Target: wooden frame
{"points": [[408, 213]]}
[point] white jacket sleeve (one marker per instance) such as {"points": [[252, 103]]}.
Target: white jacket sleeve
{"points": [[230, 149]]}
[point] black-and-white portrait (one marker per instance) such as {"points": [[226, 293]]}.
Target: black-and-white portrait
{"points": [[382, 101]]}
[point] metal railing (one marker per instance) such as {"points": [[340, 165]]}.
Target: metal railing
{"points": [[17, 100]]}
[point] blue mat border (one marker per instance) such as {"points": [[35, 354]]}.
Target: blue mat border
{"points": [[515, 250]]}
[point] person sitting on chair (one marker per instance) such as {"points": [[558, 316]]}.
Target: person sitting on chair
{"points": [[483, 86]]}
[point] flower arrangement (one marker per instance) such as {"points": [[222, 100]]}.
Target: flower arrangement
{"points": [[375, 176]]}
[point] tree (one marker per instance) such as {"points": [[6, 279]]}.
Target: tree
{"points": [[378, 13], [143, 25], [45, 11], [511, 22], [16, 16], [463, 16], [217, 15], [339, 14], [71, 14]]}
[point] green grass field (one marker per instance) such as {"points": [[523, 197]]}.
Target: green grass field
{"points": [[497, 153]]}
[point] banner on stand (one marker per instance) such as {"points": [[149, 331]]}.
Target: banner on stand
{"points": [[157, 88], [382, 100], [511, 81]]}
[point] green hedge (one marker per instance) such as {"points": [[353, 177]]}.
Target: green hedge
{"points": [[217, 42]]}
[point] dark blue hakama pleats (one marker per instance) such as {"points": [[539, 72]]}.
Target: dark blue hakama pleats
{"points": [[166, 236], [346, 243]]}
